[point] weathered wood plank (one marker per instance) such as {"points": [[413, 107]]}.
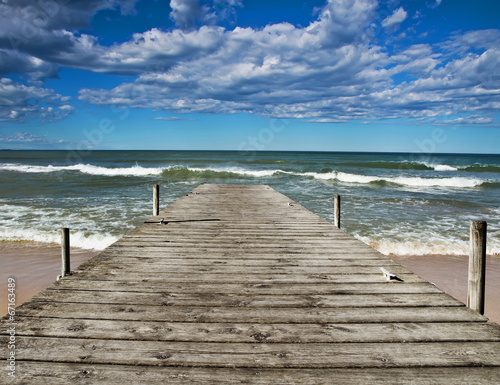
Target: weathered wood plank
{"points": [[283, 355], [64, 373], [248, 332], [238, 254], [238, 278], [239, 300], [251, 315], [249, 263], [160, 269], [242, 288]]}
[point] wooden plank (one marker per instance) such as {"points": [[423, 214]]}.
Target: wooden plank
{"points": [[214, 261], [283, 355], [238, 278], [158, 252], [251, 249], [252, 315], [248, 332], [85, 373], [247, 289], [160, 269], [239, 300]]}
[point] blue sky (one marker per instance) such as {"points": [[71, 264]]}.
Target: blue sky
{"points": [[331, 75]]}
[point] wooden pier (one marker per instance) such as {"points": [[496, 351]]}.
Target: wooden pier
{"points": [[241, 285]]}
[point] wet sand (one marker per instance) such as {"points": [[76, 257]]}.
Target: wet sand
{"points": [[36, 266], [449, 273]]}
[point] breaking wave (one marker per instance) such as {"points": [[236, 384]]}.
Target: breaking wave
{"points": [[79, 239], [85, 169], [229, 173], [457, 182]]}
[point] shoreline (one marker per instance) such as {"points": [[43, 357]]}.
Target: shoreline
{"points": [[450, 274], [35, 266]]}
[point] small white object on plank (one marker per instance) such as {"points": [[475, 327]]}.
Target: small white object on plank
{"points": [[389, 276]]}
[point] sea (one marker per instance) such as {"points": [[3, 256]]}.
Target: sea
{"points": [[400, 204]]}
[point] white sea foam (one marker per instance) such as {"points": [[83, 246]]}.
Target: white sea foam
{"points": [[133, 170], [439, 167], [116, 171], [458, 182], [85, 168], [234, 170], [444, 167], [137, 170], [435, 245], [77, 238], [36, 224], [30, 168]]}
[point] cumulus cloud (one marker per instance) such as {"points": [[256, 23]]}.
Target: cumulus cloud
{"points": [[259, 71], [15, 62], [395, 19], [19, 103], [285, 71], [188, 13], [328, 71], [42, 30]]}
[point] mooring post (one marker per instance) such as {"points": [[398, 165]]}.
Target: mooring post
{"points": [[477, 266], [65, 266], [156, 200], [337, 211]]}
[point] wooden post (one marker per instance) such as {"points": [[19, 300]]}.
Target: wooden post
{"points": [[65, 267], [156, 200], [477, 266], [337, 211]]}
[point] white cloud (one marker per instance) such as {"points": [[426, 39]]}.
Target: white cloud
{"points": [[326, 120], [172, 118], [331, 70], [285, 71], [472, 120], [188, 13], [19, 102], [395, 19]]}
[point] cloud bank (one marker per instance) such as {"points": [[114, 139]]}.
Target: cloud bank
{"points": [[343, 66]]}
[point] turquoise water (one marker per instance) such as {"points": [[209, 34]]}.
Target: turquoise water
{"points": [[405, 204]]}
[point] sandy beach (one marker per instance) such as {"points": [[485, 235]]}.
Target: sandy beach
{"points": [[449, 273], [36, 266]]}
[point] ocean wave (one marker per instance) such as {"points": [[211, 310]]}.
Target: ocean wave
{"points": [[116, 171], [482, 168], [177, 172], [79, 239], [432, 246], [267, 162], [442, 167], [459, 182], [403, 165], [30, 168], [85, 169], [222, 173], [180, 172]]}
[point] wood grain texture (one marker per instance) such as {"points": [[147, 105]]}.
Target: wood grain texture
{"points": [[243, 285], [71, 373]]}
